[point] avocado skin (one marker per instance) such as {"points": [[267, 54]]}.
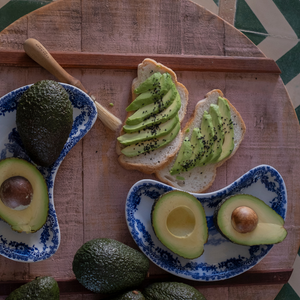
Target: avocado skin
{"points": [[107, 266], [41, 288], [131, 295], [44, 121], [172, 291]]}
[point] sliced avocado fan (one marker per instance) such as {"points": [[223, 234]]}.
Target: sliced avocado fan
{"points": [[149, 133], [167, 114], [153, 94], [151, 145], [153, 108], [246, 220]]}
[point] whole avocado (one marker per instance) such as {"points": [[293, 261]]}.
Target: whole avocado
{"points": [[44, 121], [172, 291], [41, 288], [107, 266]]}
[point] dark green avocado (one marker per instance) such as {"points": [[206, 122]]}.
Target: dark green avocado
{"points": [[107, 266], [44, 121], [41, 288], [172, 291]]}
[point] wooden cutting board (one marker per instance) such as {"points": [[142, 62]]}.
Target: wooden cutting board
{"points": [[91, 187]]}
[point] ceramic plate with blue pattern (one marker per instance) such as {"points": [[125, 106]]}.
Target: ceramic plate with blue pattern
{"points": [[45, 242], [221, 259]]}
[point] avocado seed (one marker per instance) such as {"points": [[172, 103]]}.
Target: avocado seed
{"points": [[244, 219], [16, 192]]}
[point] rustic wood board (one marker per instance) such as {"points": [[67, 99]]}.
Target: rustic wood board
{"points": [[91, 187]]}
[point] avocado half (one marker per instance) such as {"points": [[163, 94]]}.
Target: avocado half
{"points": [[33, 216], [179, 222], [246, 220]]}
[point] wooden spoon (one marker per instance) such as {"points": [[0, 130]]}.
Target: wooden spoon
{"points": [[40, 54]]}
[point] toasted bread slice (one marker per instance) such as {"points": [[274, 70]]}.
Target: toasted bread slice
{"points": [[199, 179], [153, 161]]}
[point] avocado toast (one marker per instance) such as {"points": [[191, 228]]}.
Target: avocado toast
{"points": [[158, 98], [196, 174]]}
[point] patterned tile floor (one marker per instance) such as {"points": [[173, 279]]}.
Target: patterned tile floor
{"points": [[272, 25]]}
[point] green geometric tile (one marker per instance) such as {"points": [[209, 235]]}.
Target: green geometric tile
{"points": [[16, 9], [246, 19], [287, 293], [289, 64], [217, 2], [254, 37], [291, 11]]}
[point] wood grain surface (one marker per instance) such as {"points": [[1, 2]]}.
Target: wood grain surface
{"points": [[90, 186]]}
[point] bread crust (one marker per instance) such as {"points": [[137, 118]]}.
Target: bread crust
{"points": [[150, 163], [209, 171]]}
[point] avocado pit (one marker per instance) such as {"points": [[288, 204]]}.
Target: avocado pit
{"points": [[244, 219], [16, 192]]}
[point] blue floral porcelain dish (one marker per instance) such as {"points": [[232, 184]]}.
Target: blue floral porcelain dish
{"points": [[45, 242], [221, 259]]}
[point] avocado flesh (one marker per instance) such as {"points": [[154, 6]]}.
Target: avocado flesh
{"points": [[208, 136], [41, 288], [269, 229], [151, 145], [44, 121], [161, 117], [107, 266], [171, 291], [149, 133], [153, 108], [198, 149], [183, 157], [228, 143], [179, 222], [35, 215], [153, 94], [218, 138], [150, 83]]}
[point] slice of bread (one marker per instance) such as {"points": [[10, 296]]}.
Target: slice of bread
{"points": [[151, 162], [199, 179]]}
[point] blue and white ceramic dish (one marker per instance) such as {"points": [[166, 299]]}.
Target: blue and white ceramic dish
{"points": [[45, 242], [221, 259]]}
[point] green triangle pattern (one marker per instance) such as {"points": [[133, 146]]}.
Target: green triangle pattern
{"points": [[291, 11], [287, 293], [16, 9], [217, 2], [245, 19], [289, 64]]}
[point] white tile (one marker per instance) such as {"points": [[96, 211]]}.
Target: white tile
{"points": [[275, 47], [295, 277], [293, 88], [208, 4], [271, 18], [3, 2]]}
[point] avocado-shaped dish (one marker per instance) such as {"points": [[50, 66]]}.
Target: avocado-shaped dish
{"points": [[37, 241], [222, 258]]}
